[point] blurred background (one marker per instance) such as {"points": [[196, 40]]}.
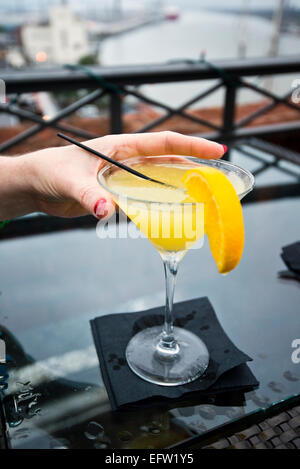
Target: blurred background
{"points": [[226, 70], [115, 32], [41, 34]]}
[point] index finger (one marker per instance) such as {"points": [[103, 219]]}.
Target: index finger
{"points": [[168, 143]]}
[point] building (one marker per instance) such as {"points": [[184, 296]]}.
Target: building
{"points": [[62, 39]]}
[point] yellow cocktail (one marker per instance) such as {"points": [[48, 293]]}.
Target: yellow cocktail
{"points": [[169, 218], [173, 222]]}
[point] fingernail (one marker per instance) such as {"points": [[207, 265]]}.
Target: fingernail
{"points": [[100, 208], [225, 148]]}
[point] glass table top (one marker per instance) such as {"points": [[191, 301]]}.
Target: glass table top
{"points": [[51, 286]]}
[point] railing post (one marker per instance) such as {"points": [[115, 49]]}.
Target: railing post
{"points": [[116, 126], [229, 114]]}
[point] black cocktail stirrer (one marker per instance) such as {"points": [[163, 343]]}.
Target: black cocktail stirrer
{"points": [[110, 160]]}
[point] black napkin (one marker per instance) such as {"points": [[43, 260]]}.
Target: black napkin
{"points": [[291, 257], [112, 333]]}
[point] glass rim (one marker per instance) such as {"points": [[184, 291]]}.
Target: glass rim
{"points": [[207, 161]]}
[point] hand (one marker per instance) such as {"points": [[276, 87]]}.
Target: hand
{"points": [[62, 181]]}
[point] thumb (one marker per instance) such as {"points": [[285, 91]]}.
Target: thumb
{"points": [[96, 201]]}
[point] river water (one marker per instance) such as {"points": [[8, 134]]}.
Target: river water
{"points": [[195, 31]]}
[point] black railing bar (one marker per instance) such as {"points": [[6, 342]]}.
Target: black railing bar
{"points": [[172, 111], [273, 192], [267, 164], [169, 114], [270, 95], [47, 123], [201, 96], [246, 120], [154, 123], [240, 147], [257, 131], [253, 156], [116, 114], [261, 169], [20, 137], [286, 170], [280, 152], [116, 110], [151, 101], [276, 164], [41, 224], [155, 103], [229, 109], [50, 79], [30, 116], [74, 131]]}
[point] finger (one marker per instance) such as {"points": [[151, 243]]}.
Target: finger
{"points": [[165, 143], [95, 200]]}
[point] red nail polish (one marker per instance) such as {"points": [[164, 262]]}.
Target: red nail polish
{"points": [[225, 148], [100, 209]]}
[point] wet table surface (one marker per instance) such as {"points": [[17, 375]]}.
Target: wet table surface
{"points": [[52, 285]]}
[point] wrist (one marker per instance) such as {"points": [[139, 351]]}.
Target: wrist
{"points": [[16, 194]]}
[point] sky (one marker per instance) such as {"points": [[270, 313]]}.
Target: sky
{"points": [[186, 4]]}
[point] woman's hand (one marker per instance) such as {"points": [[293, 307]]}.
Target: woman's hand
{"points": [[62, 181]]}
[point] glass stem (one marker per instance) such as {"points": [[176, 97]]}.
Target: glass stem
{"points": [[167, 347]]}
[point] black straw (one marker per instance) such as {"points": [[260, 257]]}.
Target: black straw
{"points": [[110, 160]]}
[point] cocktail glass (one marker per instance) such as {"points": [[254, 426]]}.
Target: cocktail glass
{"points": [[167, 355]]}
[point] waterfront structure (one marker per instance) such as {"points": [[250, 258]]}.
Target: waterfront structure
{"points": [[62, 39]]}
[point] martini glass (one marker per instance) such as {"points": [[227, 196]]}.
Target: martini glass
{"points": [[167, 355]]}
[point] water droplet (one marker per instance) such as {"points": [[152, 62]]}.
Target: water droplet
{"points": [[21, 433], [259, 399], [276, 387], [111, 357], [290, 376], [93, 431], [125, 436]]}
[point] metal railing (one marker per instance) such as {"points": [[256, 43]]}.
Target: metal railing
{"points": [[117, 82]]}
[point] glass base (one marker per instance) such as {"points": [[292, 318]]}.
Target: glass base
{"points": [[187, 363]]}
